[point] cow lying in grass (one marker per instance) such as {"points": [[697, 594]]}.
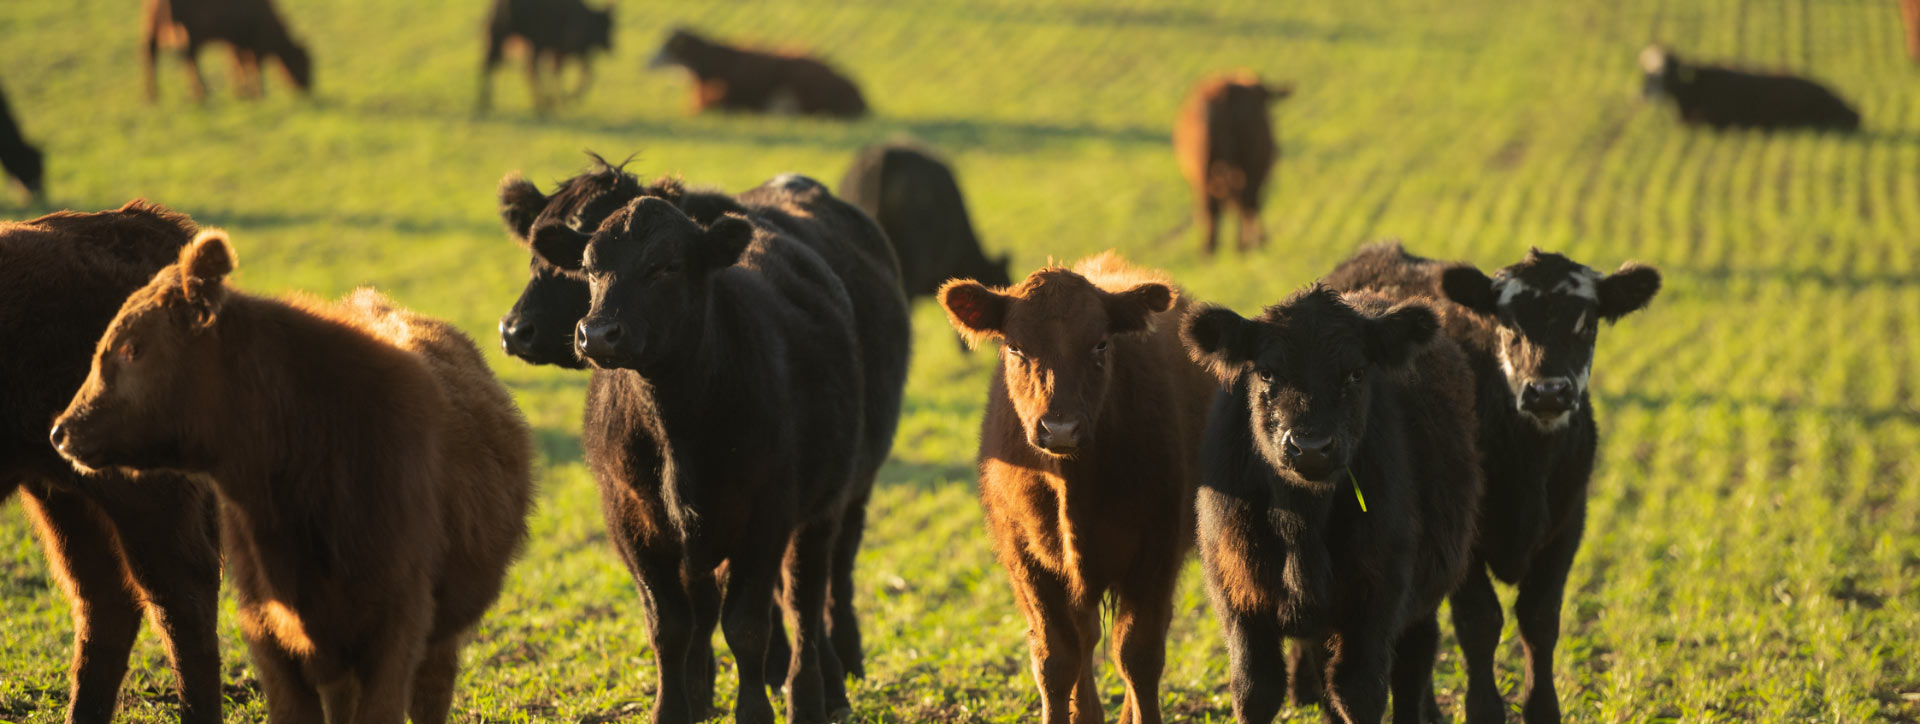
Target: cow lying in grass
{"points": [[1338, 494], [251, 27], [1726, 98], [1529, 333], [1088, 453], [737, 79], [375, 476], [117, 546]]}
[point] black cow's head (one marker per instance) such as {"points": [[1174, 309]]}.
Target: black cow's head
{"points": [[600, 28], [539, 328], [1549, 310], [1306, 366], [681, 45], [647, 269], [1664, 71], [299, 66]]}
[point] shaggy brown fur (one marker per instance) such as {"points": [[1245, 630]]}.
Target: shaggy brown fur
{"points": [[1224, 141], [251, 27], [737, 79], [1089, 453], [375, 475], [116, 547]]}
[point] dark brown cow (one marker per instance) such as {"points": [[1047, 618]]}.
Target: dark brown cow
{"points": [[1722, 98], [375, 476], [20, 159], [251, 27], [1224, 141], [552, 31], [917, 201], [1089, 452], [736, 79], [116, 547], [1910, 18]]}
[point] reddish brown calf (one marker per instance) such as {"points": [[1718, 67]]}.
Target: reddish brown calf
{"points": [[1224, 141], [1089, 452], [737, 79], [374, 474]]}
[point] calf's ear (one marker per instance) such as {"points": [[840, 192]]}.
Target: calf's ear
{"points": [[1627, 290], [520, 203], [727, 239], [1133, 309], [1220, 340], [559, 246], [205, 263], [1466, 286], [977, 312], [1393, 339]]}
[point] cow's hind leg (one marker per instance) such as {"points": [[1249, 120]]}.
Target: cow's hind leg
{"points": [[433, 682], [816, 686], [844, 625], [1251, 235], [170, 539], [1207, 216], [106, 617], [1477, 622], [703, 591]]}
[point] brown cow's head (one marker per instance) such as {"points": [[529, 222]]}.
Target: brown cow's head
{"points": [[1055, 330], [156, 363], [1306, 367], [1549, 309], [647, 272]]}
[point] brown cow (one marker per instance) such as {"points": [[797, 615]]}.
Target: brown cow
{"points": [[1910, 14], [251, 27], [1089, 451], [374, 475], [1224, 141], [115, 547], [737, 79]]}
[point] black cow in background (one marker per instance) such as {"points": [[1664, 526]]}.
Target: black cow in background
{"points": [[552, 31], [1725, 98], [21, 160], [1529, 333], [917, 201]]}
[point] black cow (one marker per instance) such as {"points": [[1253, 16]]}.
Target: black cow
{"points": [[1338, 488], [917, 201], [539, 329], [1728, 98], [1529, 332], [553, 31], [20, 159]]}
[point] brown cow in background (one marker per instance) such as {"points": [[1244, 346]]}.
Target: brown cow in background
{"points": [[1224, 141], [1910, 13], [737, 79], [1089, 455], [374, 475], [251, 27], [118, 547], [553, 31]]}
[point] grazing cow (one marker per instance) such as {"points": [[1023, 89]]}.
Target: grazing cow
{"points": [[1337, 499], [736, 79], [251, 27], [116, 547], [553, 31], [1726, 98], [1224, 141], [374, 475], [20, 159], [917, 202], [1089, 452], [1529, 333]]}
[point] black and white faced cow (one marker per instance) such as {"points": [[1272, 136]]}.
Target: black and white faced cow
{"points": [[1529, 332]]}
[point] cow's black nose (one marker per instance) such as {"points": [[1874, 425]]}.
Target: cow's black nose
{"points": [[1060, 434], [1553, 394], [516, 336], [598, 338], [1310, 452], [58, 437]]}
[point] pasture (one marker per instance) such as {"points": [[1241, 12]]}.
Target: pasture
{"points": [[1753, 545]]}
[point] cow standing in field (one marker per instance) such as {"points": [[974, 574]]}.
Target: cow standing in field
{"points": [[1724, 98], [117, 546], [552, 31], [1338, 495], [1529, 334], [918, 203], [1089, 450], [737, 79], [19, 158], [375, 476], [1224, 141], [251, 27]]}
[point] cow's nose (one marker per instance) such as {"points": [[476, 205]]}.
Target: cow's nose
{"points": [[598, 338], [1060, 434], [1553, 394], [516, 337], [1310, 452], [58, 437]]}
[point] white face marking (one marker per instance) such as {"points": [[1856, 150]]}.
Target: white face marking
{"points": [[1653, 59], [1580, 325], [1510, 288], [1583, 284]]}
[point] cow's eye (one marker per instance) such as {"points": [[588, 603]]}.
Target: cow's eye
{"points": [[128, 352], [1354, 376], [1014, 349], [1100, 348], [1266, 376]]}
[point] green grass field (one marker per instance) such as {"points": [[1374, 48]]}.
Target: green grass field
{"points": [[1754, 541]]}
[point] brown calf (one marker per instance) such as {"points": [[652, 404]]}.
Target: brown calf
{"points": [[1089, 452], [374, 474], [251, 27], [1224, 141], [116, 547], [1910, 15], [736, 79]]}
